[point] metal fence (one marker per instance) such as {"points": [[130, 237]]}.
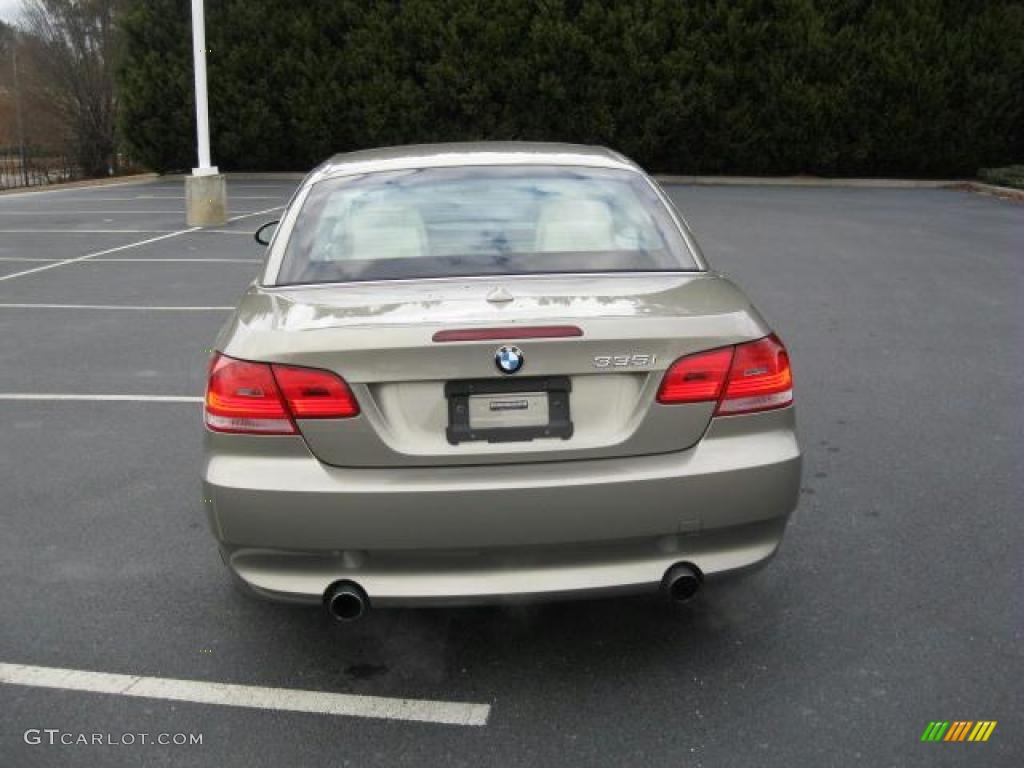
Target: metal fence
{"points": [[40, 166]]}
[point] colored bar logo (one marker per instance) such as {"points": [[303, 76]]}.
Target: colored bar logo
{"points": [[958, 730]]}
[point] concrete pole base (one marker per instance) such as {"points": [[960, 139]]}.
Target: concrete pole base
{"points": [[206, 200]]}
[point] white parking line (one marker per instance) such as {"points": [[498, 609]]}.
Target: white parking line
{"points": [[211, 260], [47, 212], [176, 233], [97, 253], [175, 197], [249, 696], [256, 213], [142, 212], [83, 231], [115, 306], [140, 260], [100, 398], [71, 190], [246, 232]]}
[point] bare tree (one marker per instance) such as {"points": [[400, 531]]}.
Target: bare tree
{"points": [[11, 124], [73, 44]]}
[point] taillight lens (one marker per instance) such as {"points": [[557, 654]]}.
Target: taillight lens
{"points": [[760, 378], [315, 394], [261, 399], [743, 379], [696, 378], [243, 397]]}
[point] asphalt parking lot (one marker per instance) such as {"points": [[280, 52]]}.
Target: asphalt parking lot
{"points": [[895, 601]]}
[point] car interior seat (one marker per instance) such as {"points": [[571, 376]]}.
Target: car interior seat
{"points": [[575, 225]]}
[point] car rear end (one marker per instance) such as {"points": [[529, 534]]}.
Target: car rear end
{"points": [[441, 394]]}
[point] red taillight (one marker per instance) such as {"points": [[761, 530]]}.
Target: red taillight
{"points": [[743, 379], [315, 394], [260, 399], [760, 378], [696, 378], [243, 397]]}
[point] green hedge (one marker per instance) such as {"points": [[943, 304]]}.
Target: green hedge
{"points": [[851, 87], [1010, 176]]}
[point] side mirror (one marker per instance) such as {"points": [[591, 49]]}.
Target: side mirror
{"points": [[262, 235]]}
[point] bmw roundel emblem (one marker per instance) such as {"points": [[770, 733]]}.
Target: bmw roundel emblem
{"points": [[509, 359]]}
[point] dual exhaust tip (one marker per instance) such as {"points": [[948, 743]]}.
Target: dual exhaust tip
{"points": [[346, 601]]}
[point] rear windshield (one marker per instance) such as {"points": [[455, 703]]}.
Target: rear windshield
{"points": [[481, 220]]}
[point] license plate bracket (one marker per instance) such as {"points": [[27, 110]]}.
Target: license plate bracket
{"points": [[461, 430]]}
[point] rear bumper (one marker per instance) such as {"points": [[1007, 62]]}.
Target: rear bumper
{"points": [[289, 526]]}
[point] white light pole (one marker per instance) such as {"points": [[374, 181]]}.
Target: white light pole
{"points": [[202, 108], [206, 200]]}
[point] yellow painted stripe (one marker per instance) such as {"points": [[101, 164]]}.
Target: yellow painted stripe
{"points": [[988, 731], [982, 724]]}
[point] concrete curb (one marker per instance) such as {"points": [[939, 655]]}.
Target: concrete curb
{"points": [[802, 181], [739, 181], [1007, 193], [749, 181], [135, 178]]}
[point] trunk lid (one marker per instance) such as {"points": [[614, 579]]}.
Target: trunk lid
{"points": [[380, 338]]}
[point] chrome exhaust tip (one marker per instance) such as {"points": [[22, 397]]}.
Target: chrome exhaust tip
{"points": [[346, 601], [681, 582]]}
